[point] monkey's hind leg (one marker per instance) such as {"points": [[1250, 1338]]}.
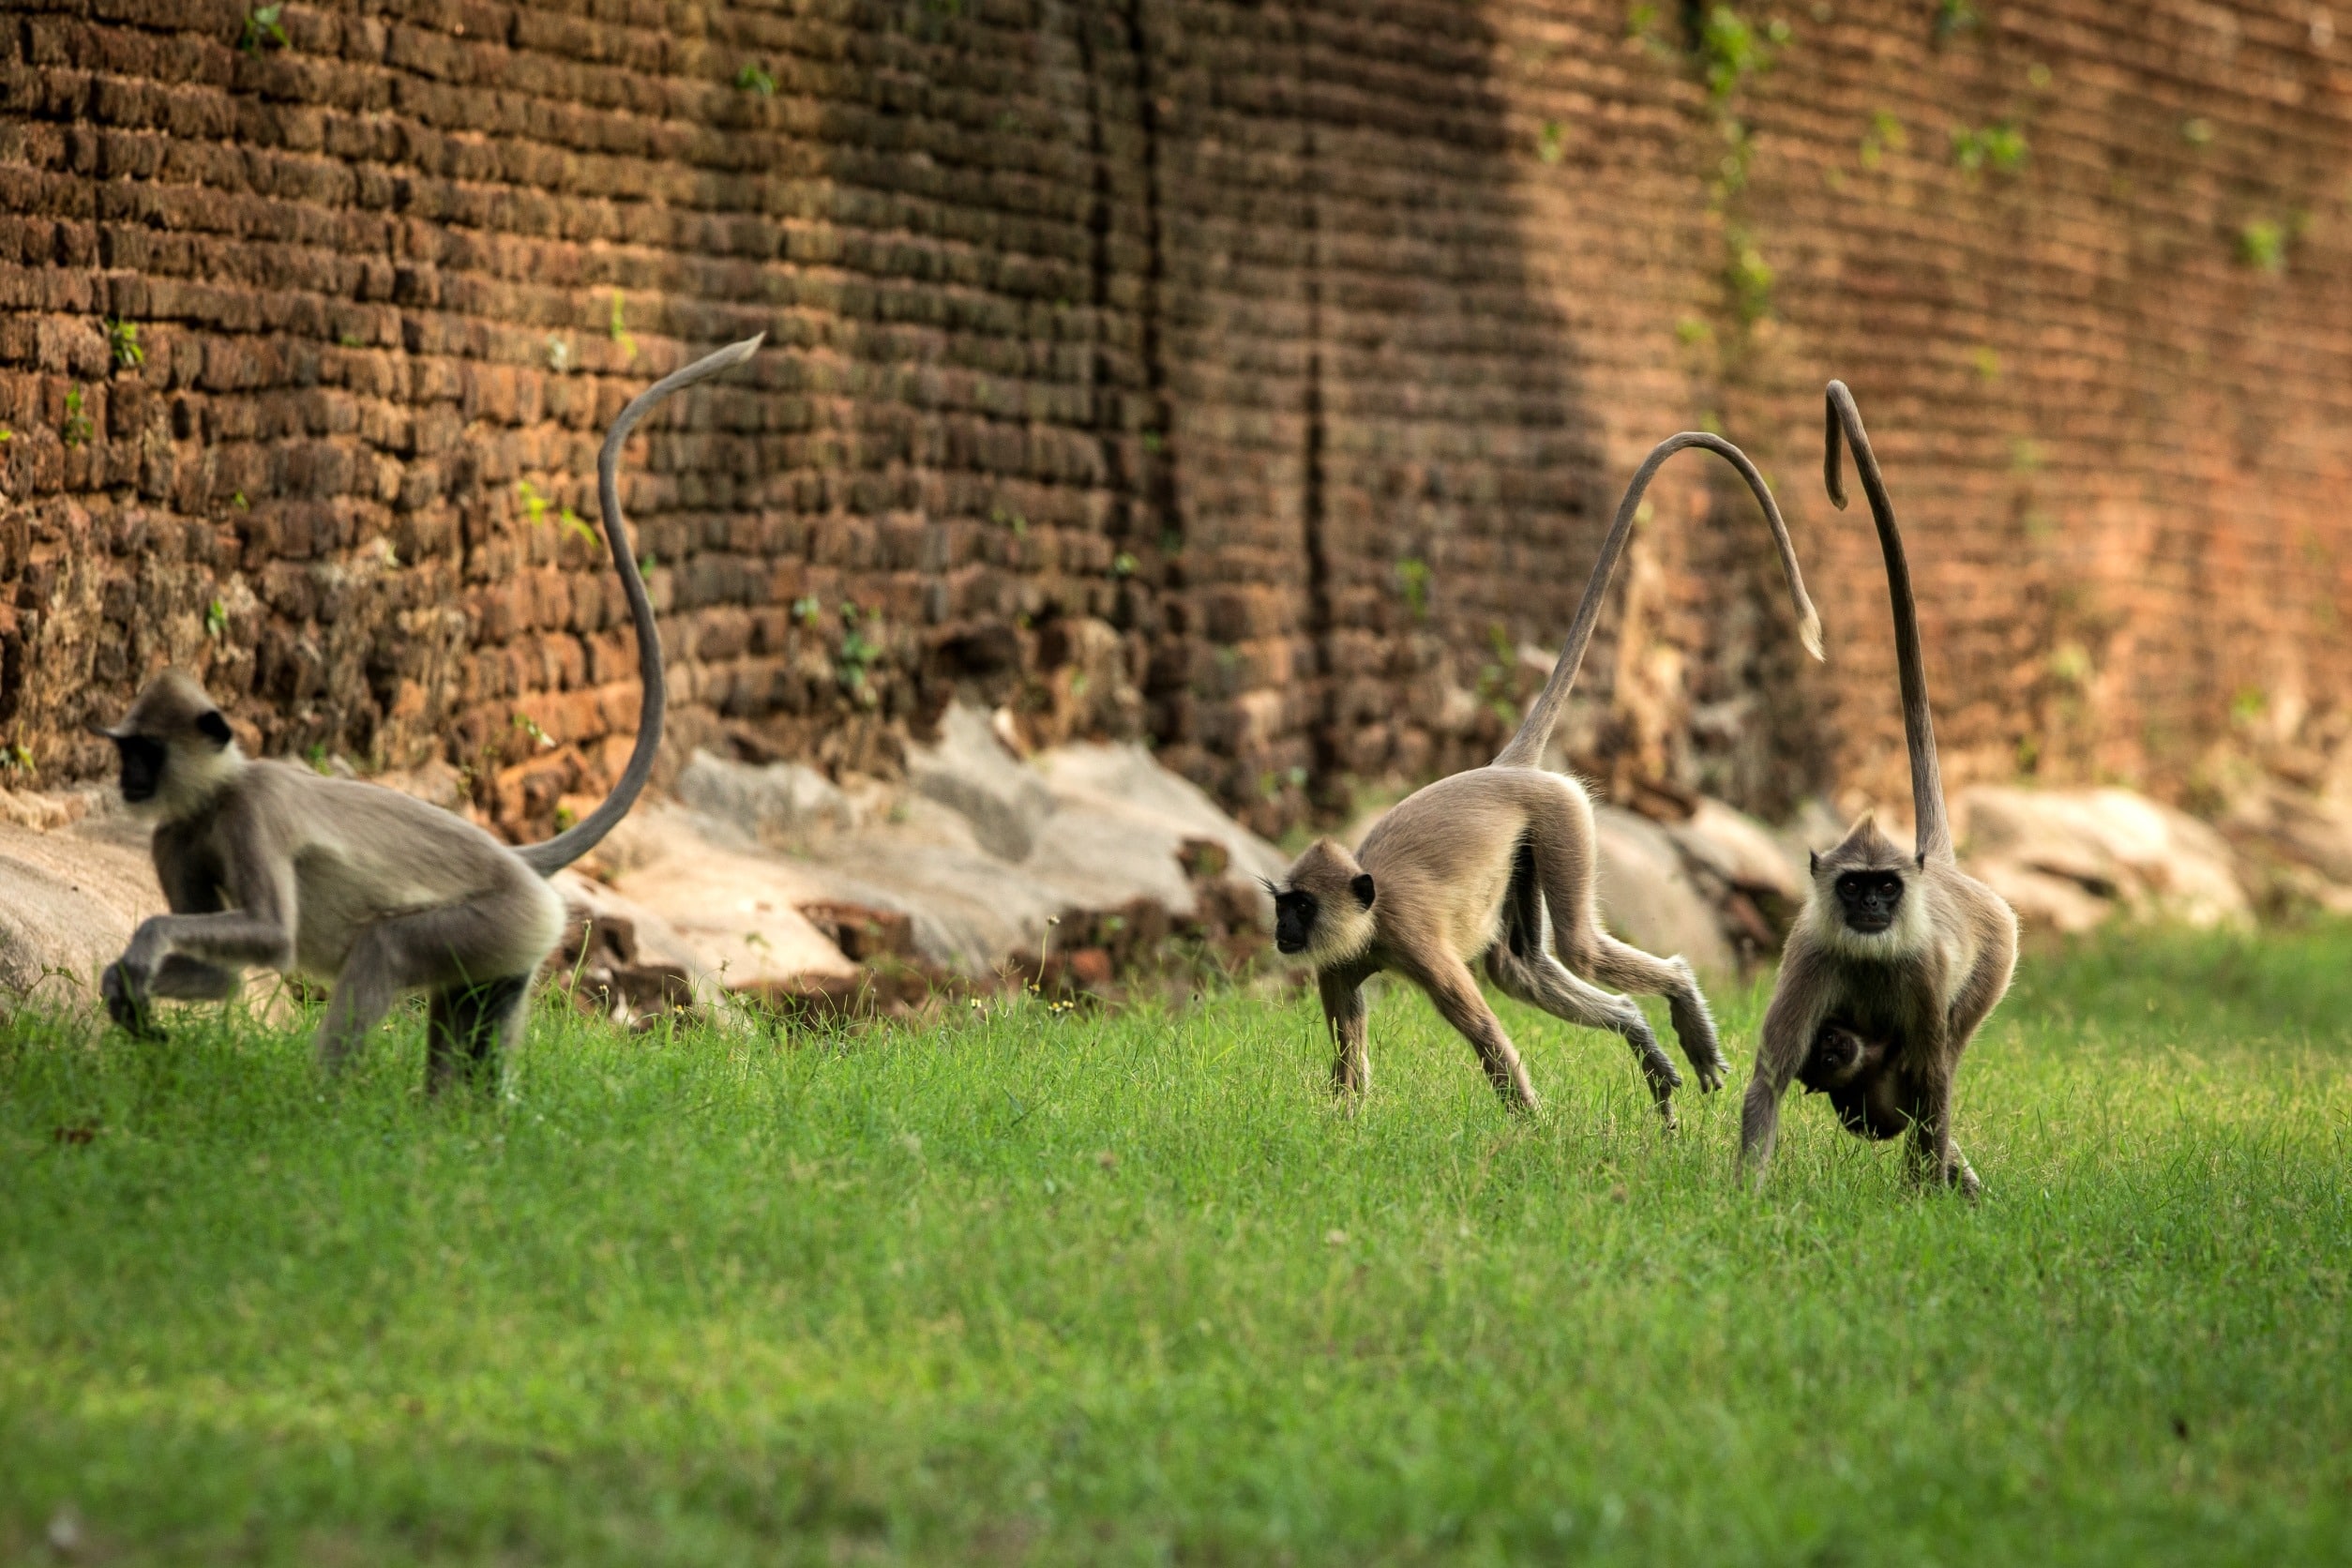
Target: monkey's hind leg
{"points": [[1591, 954], [1614, 963], [471, 1030], [1542, 981], [459, 946]]}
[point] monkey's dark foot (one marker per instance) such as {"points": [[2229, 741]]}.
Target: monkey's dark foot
{"points": [[1695, 1031], [127, 1002]]}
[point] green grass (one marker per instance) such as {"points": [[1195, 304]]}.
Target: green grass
{"points": [[1127, 1289]]}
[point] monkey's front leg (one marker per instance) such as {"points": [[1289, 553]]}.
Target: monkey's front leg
{"points": [[170, 953], [1344, 1012], [1455, 991], [1789, 1025]]}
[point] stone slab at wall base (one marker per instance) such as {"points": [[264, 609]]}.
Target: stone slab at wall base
{"points": [[986, 856], [70, 900]]}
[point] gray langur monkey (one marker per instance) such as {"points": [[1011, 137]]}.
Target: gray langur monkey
{"points": [[1902, 952], [266, 865], [1482, 865]]}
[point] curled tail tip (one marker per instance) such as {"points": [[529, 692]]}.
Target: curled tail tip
{"points": [[735, 354]]}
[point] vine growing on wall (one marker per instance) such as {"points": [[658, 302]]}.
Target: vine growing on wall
{"points": [[1729, 49]]}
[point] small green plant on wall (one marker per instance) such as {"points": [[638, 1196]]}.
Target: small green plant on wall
{"points": [[265, 28], [2262, 245], [618, 330], [79, 427], [1413, 581], [122, 343], [1999, 148]]}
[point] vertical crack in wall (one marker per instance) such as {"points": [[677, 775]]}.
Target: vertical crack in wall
{"points": [[1159, 531], [1313, 493], [1159, 464]]}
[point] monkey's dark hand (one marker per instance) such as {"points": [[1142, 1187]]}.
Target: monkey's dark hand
{"points": [[126, 993]]}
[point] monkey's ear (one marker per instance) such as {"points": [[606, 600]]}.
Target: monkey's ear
{"points": [[214, 728], [1361, 888], [1920, 859], [1812, 863]]}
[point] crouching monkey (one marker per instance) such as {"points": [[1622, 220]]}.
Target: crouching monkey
{"points": [[269, 865]]}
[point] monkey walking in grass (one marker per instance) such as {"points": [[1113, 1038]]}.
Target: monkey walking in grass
{"points": [[269, 865], [1896, 959], [1494, 867]]}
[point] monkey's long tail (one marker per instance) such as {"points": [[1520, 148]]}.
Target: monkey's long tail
{"points": [[1526, 750], [565, 847], [1919, 729]]}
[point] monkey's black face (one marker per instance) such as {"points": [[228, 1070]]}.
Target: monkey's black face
{"points": [[1870, 899], [1294, 920], [142, 766]]}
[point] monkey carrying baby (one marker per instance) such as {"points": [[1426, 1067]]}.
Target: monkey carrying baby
{"points": [[266, 865], [1896, 959], [1496, 865]]}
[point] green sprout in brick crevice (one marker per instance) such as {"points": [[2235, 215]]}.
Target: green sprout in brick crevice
{"points": [[858, 652], [216, 619], [1747, 275], [121, 342], [1954, 17], [1732, 50], [2000, 148], [1886, 135], [754, 78], [1412, 580], [79, 427], [1551, 142], [525, 724], [265, 28], [618, 330], [2262, 245]]}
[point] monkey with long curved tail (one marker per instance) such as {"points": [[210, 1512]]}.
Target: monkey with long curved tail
{"points": [[1483, 867], [268, 866], [1903, 954]]}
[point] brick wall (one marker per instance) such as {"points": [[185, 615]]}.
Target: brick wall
{"points": [[1255, 378]]}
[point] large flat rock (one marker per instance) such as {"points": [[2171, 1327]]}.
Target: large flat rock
{"points": [[982, 851], [69, 900]]}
